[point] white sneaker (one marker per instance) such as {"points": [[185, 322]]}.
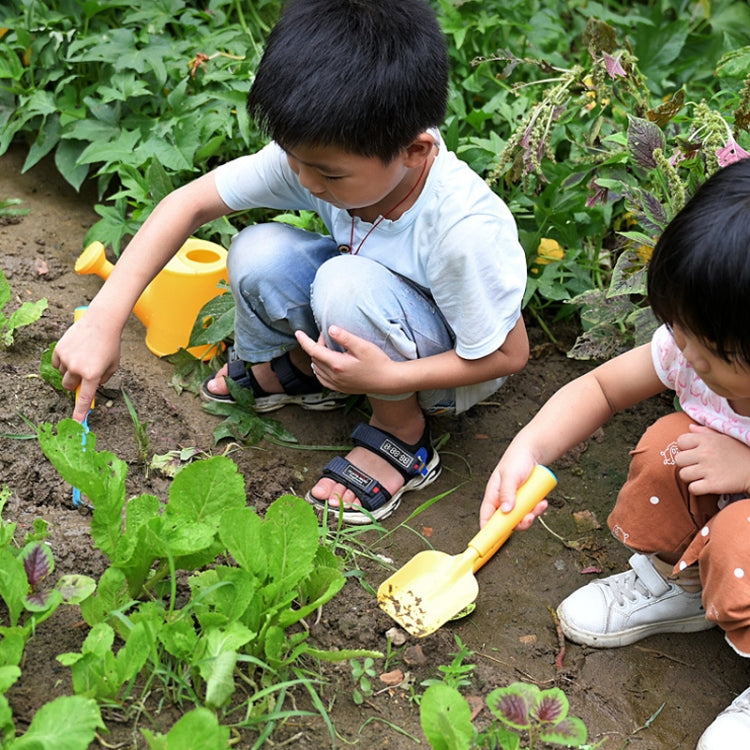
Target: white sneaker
{"points": [[730, 730], [626, 607]]}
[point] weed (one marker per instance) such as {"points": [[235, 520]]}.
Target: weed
{"points": [[457, 673], [140, 432], [363, 673], [24, 315]]}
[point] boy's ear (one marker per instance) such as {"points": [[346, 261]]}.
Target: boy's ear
{"points": [[419, 149]]}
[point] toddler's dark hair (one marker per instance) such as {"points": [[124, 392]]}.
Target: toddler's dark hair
{"points": [[699, 274], [366, 76]]}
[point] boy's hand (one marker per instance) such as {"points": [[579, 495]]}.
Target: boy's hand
{"points": [[713, 463], [86, 356], [500, 492], [361, 368]]}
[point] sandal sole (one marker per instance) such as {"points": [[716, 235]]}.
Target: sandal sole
{"points": [[264, 404]]}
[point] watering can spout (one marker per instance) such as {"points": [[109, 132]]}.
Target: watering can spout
{"points": [[170, 304]]}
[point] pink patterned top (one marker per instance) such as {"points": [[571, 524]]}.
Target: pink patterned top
{"points": [[696, 399]]}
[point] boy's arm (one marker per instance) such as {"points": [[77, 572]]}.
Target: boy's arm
{"points": [[570, 416], [89, 351]]}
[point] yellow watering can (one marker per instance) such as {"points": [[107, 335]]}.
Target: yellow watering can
{"points": [[170, 304]]}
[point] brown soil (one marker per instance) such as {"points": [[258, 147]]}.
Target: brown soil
{"points": [[658, 694]]}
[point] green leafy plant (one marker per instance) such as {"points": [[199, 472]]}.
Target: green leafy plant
{"points": [[363, 673], [522, 712], [138, 97], [252, 582], [603, 169], [25, 314], [25, 568], [24, 577], [457, 673]]}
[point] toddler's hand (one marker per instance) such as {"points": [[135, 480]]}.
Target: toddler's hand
{"points": [[500, 492], [712, 463]]}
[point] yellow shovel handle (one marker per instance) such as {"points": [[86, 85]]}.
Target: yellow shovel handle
{"points": [[489, 540]]}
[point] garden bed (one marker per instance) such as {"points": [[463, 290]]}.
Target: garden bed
{"points": [[658, 694]]}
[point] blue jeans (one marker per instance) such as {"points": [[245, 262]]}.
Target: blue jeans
{"points": [[286, 279]]}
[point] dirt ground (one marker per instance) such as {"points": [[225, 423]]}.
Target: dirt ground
{"points": [[657, 695]]}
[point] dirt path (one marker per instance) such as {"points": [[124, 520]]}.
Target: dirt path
{"points": [[685, 679]]}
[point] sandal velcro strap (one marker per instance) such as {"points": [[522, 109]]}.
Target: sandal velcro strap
{"points": [[293, 381], [409, 460], [370, 492]]}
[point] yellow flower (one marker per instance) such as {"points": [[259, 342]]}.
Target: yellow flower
{"points": [[548, 251], [644, 253]]}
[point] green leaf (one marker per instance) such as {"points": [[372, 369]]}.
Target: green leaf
{"points": [[67, 155], [446, 718], [570, 732], [8, 676], [50, 374], [99, 475], [241, 531], [120, 149], [205, 490], [14, 585], [158, 180], [66, 723], [215, 321], [219, 660], [26, 314], [290, 541], [198, 729], [74, 588], [111, 595]]}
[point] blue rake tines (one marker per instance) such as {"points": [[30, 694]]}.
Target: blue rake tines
{"points": [[76, 492]]}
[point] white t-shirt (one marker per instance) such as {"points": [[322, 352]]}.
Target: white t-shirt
{"points": [[458, 241], [696, 399]]}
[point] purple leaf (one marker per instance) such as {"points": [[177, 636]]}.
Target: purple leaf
{"points": [[513, 704], [614, 66], [570, 732], [551, 707], [643, 139], [37, 562]]}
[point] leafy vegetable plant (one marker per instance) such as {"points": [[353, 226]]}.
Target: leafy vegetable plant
{"points": [[24, 315], [522, 710], [251, 582], [25, 568]]}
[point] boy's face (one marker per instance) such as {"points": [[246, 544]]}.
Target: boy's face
{"points": [[347, 180]]}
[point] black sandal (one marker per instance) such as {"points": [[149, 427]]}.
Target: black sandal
{"points": [[418, 464], [299, 388]]}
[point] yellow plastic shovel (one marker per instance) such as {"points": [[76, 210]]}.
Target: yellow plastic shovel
{"points": [[433, 587]]}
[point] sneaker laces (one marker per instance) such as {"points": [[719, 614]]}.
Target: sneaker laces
{"points": [[627, 586]]}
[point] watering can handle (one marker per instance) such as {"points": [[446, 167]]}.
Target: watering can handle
{"points": [[489, 540]]}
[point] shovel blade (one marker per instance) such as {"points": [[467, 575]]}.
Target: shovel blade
{"points": [[429, 590]]}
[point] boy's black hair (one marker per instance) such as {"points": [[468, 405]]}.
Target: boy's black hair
{"points": [[699, 274], [367, 76]]}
